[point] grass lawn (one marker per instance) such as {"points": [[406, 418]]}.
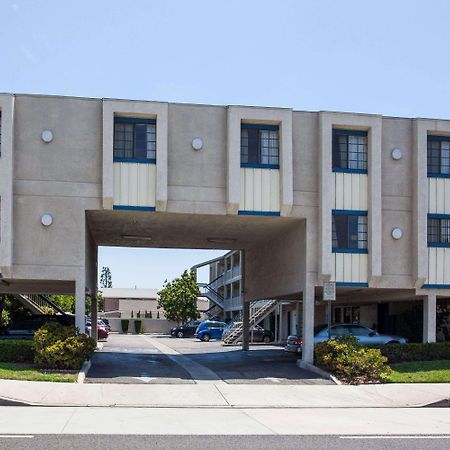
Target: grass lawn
{"points": [[28, 372], [421, 372]]}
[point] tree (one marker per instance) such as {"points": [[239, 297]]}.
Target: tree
{"points": [[105, 278], [178, 298]]}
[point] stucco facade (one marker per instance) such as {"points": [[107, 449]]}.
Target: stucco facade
{"points": [[193, 199]]}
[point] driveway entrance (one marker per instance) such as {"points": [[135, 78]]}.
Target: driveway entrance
{"points": [[164, 360]]}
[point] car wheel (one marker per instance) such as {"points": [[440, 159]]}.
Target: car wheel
{"points": [[266, 339], [206, 337], [180, 334]]}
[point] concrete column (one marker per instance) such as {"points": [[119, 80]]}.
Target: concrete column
{"points": [[308, 323], [299, 324], [429, 318], [80, 308], [280, 330], [94, 315]]}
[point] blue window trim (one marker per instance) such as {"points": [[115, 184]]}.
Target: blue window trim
{"points": [[350, 284], [119, 119], [342, 132], [350, 250], [352, 212], [438, 244], [135, 160], [438, 175], [259, 126], [438, 216], [436, 286], [258, 213], [260, 166], [133, 208], [433, 137], [340, 170]]}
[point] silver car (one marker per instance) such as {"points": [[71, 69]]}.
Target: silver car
{"points": [[365, 336]]}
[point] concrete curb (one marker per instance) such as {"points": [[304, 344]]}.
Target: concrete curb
{"points": [[83, 371], [318, 371]]}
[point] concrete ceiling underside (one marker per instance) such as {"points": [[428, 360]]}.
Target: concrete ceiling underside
{"points": [[18, 286], [196, 231]]}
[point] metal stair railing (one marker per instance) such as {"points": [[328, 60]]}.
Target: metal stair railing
{"points": [[39, 303], [259, 311], [211, 294]]}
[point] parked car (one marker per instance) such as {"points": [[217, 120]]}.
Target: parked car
{"points": [[257, 333], [106, 323], [27, 327], [102, 330], [185, 330], [210, 329], [365, 336]]}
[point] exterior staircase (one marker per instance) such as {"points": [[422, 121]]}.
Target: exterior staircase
{"points": [[39, 304], [259, 310], [209, 291]]}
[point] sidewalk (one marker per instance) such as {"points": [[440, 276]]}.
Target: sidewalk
{"points": [[222, 395]]}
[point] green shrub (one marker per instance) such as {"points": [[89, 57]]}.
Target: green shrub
{"points": [[124, 324], [396, 353], [351, 362], [16, 350], [138, 326], [61, 347]]}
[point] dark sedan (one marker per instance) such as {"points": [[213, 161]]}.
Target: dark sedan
{"points": [[185, 330]]}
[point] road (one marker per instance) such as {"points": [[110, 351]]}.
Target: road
{"points": [[133, 359]]}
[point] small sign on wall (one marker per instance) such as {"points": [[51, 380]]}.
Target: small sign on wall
{"points": [[329, 291]]}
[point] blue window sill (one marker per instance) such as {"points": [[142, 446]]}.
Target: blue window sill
{"points": [[260, 166], [438, 175], [350, 284], [350, 250], [135, 160], [133, 208], [439, 245], [436, 286], [119, 119], [343, 132], [259, 126], [339, 170], [438, 216], [350, 212], [258, 213]]}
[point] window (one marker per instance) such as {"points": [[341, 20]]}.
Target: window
{"points": [[346, 314], [135, 139], [350, 151], [438, 231], [349, 232], [339, 330], [438, 155], [360, 331], [259, 145]]}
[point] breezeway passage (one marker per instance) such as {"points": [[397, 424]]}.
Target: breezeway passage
{"points": [[164, 360]]}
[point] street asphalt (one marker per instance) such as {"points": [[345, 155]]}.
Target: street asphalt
{"points": [[220, 442], [164, 360]]}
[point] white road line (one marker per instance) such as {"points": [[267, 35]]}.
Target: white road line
{"points": [[16, 436], [395, 437]]}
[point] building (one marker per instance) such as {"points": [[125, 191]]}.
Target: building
{"points": [[125, 302], [307, 197]]}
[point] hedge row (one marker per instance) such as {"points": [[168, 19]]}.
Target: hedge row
{"points": [[16, 350], [396, 353]]}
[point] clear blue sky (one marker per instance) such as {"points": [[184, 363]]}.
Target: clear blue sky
{"points": [[380, 56]]}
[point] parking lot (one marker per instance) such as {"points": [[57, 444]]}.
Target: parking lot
{"points": [[164, 360]]}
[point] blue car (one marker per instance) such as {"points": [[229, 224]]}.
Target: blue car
{"points": [[210, 329]]}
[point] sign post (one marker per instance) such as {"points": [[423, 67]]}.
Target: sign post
{"points": [[329, 295]]}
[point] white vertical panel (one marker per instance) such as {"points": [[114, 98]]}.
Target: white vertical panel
{"points": [[355, 267], [339, 266], [242, 200], [347, 266], [257, 194], [333, 266], [248, 204], [266, 187], [363, 192], [446, 196], [347, 192], [339, 196], [440, 205], [432, 195], [275, 190], [446, 265], [440, 265], [133, 184], [431, 265], [363, 262], [354, 177]]}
